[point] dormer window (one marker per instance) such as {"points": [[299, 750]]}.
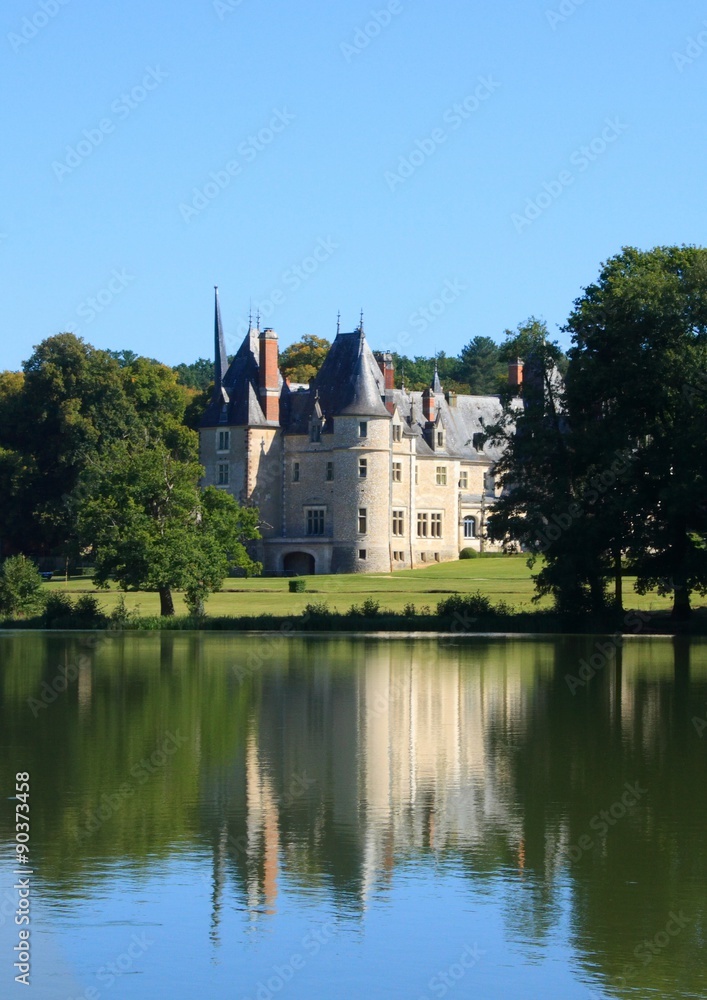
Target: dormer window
{"points": [[397, 432], [363, 429], [440, 439], [315, 433]]}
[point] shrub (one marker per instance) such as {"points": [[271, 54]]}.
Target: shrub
{"points": [[317, 609], [298, 586], [121, 616], [195, 598], [369, 609], [409, 611], [465, 604], [468, 554], [20, 588], [88, 613], [58, 611]]}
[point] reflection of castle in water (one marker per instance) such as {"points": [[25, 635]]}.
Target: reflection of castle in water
{"points": [[344, 772]]}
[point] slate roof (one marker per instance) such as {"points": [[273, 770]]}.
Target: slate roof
{"points": [[351, 383], [241, 408]]}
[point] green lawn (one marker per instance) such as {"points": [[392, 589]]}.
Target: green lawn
{"points": [[505, 579]]}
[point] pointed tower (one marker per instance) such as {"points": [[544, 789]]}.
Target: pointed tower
{"points": [[436, 385], [220, 356]]}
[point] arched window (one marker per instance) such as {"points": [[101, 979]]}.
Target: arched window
{"points": [[469, 527]]}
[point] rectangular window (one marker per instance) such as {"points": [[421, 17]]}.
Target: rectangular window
{"points": [[397, 472], [436, 525], [222, 474], [315, 520], [398, 522], [329, 472], [363, 429], [362, 554], [489, 482], [315, 433], [463, 480], [441, 475], [397, 432], [362, 520], [440, 439], [417, 476], [362, 468], [422, 525], [295, 472], [436, 556], [224, 440]]}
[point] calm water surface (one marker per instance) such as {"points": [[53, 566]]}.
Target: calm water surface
{"points": [[242, 817]]}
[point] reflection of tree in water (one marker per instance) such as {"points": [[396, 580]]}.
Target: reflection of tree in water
{"points": [[337, 761]]}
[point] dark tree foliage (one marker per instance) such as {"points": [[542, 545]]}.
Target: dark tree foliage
{"points": [[610, 463]]}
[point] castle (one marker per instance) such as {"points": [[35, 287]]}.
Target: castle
{"points": [[350, 474]]}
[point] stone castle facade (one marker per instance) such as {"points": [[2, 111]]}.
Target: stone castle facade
{"points": [[350, 474]]}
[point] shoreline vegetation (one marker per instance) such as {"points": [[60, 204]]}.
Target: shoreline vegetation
{"points": [[440, 600]]}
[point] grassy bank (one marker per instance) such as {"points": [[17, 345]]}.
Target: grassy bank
{"points": [[483, 595], [505, 579]]}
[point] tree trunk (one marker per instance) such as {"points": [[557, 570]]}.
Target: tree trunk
{"points": [[618, 582], [681, 604], [166, 602]]}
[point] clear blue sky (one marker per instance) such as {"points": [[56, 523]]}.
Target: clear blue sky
{"points": [[117, 221]]}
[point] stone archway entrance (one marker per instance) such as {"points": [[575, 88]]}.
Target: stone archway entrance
{"points": [[299, 564]]}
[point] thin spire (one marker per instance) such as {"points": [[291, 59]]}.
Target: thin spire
{"points": [[360, 326], [257, 320], [250, 314], [220, 357], [338, 323], [436, 385]]}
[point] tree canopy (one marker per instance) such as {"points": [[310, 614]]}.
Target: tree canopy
{"points": [[301, 361], [609, 464], [150, 527]]}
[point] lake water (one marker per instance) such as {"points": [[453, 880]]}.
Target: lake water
{"points": [[255, 817]]}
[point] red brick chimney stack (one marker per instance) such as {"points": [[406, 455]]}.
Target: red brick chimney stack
{"points": [[515, 374], [428, 405], [269, 389], [388, 368]]}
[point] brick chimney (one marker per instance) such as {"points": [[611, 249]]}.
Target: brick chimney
{"points": [[269, 389], [515, 374], [428, 405], [387, 366]]}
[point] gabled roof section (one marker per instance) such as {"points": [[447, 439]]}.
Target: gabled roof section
{"points": [[350, 381], [240, 383]]}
